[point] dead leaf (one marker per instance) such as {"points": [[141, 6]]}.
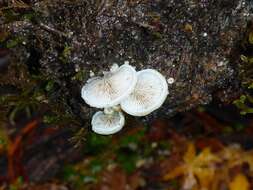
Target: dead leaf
{"points": [[240, 182]]}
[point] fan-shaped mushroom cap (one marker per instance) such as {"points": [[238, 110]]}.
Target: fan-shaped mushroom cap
{"points": [[109, 90], [149, 93], [107, 124]]}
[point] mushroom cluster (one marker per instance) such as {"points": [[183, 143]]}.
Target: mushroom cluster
{"points": [[123, 89]]}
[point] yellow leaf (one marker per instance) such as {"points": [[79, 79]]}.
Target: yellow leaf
{"points": [[206, 156], [240, 182], [190, 155], [205, 177], [178, 171]]}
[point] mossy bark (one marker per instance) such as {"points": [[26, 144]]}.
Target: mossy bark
{"points": [[193, 42]]}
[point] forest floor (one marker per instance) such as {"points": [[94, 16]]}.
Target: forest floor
{"points": [[201, 139], [207, 148]]}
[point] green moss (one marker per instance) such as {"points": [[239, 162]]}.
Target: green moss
{"points": [[77, 179], [65, 54], [3, 36], [14, 42], [135, 138], [251, 37], [244, 58], [10, 15], [239, 126], [79, 76], [29, 16], [50, 85], [127, 160], [68, 172], [3, 138], [227, 130], [49, 119], [96, 143], [96, 166], [245, 104]]}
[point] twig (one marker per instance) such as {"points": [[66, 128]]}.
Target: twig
{"points": [[14, 148]]}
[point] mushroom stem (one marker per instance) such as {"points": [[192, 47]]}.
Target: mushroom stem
{"points": [[109, 111], [117, 108]]}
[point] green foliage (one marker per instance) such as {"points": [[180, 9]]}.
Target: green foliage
{"points": [[29, 16], [65, 54], [245, 102], [127, 160], [127, 152], [134, 139], [26, 102], [33, 97], [68, 172], [17, 185], [79, 76], [10, 15], [3, 138], [96, 143], [239, 126], [80, 175], [246, 59], [251, 37], [95, 166], [242, 104], [3, 36], [14, 42], [50, 85], [135, 147], [71, 175], [50, 119], [227, 130]]}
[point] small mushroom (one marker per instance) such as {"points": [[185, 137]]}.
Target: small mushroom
{"points": [[149, 93], [107, 123], [111, 89]]}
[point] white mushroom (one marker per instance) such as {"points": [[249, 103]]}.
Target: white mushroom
{"points": [[107, 124], [111, 89], [149, 94]]}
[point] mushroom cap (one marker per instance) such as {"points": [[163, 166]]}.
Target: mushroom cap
{"points": [[149, 93], [107, 124], [109, 90]]}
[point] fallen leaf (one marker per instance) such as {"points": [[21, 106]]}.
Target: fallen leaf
{"points": [[240, 182]]}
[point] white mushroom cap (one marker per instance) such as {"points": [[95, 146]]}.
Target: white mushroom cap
{"points": [[149, 94], [109, 90], [107, 124]]}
